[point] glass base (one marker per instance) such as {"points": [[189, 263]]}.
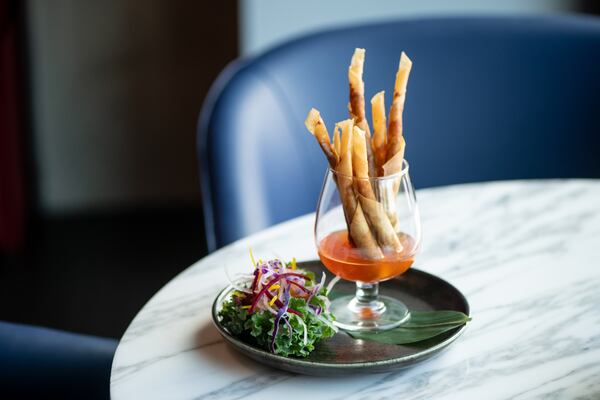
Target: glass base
{"points": [[377, 315]]}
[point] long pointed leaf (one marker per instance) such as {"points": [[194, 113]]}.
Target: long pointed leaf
{"points": [[435, 318], [421, 326]]}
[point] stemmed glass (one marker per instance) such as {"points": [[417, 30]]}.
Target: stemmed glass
{"points": [[351, 243]]}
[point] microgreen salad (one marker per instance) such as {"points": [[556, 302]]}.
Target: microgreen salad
{"points": [[280, 308]]}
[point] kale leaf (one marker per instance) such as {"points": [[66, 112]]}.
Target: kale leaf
{"points": [[257, 328]]}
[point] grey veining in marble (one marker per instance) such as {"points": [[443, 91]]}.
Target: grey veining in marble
{"points": [[525, 253]]}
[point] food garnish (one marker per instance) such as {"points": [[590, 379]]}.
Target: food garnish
{"points": [[422, 325], [280, 308]]}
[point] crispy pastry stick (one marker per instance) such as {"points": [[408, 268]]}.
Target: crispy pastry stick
{"points": [[384, 231], [357, 86], [360, 164], [379, 140], [337, 144], [395, 141], [363, 239], [394, 164], [314, 123], [358, 227], [373, 210], [357, 102], [339, 157], [344, 171]]}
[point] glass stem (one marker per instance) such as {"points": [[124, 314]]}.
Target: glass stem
{"points": [[367, 293]]}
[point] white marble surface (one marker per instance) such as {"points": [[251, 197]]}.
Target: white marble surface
{"points": [[525, 253]]}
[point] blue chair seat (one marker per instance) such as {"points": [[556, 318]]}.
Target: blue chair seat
{"points": [[44, 363]]}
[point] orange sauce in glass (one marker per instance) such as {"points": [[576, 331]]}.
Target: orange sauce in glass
{"points": [[348, 263]]}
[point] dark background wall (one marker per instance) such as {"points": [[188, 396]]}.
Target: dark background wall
{"points": [[116, 87], [113, 90]]}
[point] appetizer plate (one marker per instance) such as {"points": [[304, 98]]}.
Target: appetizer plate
{"points": [[342, 354]]}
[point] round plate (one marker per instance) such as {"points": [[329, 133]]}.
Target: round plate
{"points": [[342, 354]]}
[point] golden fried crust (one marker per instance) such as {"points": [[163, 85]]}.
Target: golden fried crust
{"points": [[379, 140], [314, 123], [395, 119], [357, 86]]}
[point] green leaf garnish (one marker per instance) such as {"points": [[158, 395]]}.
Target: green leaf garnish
{"points": [[420, 319], [257, 328], [422, 325], [302, 315]]}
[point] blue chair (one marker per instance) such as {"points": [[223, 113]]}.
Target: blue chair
{"points": [[488, 98], [44, 363]]}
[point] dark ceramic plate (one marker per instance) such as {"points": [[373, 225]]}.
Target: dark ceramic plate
{"points": [[341, 354]]}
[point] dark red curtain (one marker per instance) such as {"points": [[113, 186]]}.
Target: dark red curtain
{"points": [[12, 202]]}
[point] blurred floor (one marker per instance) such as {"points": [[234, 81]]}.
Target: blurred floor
{"points": [[91, 274]]}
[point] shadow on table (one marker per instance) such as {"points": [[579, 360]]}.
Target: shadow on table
{"points": [[244, 376], [211, 347]]}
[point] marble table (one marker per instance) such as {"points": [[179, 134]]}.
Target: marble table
{"points": [[525, 253]]}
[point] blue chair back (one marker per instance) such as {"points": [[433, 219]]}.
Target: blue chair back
{"points": [[488, 99]]}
